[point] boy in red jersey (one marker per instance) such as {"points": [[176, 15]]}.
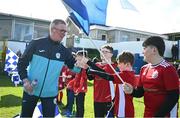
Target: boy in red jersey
{"points": [[123, 103], [103, 89], [80, 86], [61, 86], [158, 81], [69, 82]]}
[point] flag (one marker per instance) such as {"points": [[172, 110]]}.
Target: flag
{"points": [[11, 66], [91, 12], [38, 111], [78, 14], [10, 61], [127, 5], [86, 12]]}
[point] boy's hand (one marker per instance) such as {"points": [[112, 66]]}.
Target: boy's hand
{"points": [[128, 88]]}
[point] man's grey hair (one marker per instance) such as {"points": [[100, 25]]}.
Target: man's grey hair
{"points": [[56, 22]]}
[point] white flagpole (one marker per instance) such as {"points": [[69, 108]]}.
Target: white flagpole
{"points": [[80, 30]]}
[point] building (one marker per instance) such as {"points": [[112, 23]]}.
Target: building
{"points": [[107, 34], [175, 36], [18, 28], [17, 31]]}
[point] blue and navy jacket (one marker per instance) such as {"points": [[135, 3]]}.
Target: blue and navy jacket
{"points": [[43, 60]]}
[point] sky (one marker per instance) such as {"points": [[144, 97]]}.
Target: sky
{"points": [[156, 16]]}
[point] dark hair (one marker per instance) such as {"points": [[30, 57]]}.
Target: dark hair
{"points": [[82, 52], [110, 48], [156, 41], [125, 57]]}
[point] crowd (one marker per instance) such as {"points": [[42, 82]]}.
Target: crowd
{"points": [[113, 82]]}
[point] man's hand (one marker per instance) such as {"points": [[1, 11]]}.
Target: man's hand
{"points": [[128, 88], [85, 60], [82, 62], [27, 86]]}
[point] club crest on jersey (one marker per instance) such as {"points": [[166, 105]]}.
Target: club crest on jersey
{"points": [[155, 74], [58, 55]]}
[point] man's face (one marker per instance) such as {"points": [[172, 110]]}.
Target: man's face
{"points": [[57, 32]]}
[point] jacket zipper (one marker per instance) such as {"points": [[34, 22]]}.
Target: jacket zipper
{"points": [[44, 78], [46, 71]]}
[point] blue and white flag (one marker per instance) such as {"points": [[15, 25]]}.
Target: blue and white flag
{"points": [[11, 66], [38, 111], [90, 12], [10, 61], [87, 12]]}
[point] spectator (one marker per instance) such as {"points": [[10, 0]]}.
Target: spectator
{"points": [[174, 51], [80, 86], [18, 53]]}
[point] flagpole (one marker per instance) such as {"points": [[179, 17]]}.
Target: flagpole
{"points": [[111, 68], [80, 30]]}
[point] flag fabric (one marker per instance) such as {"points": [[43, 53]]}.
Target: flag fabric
{"points": [[120, 105], [11, 66], [10, 61], [78, 14], [38, 111], [87, 12], [90, 12], [127, 5]]}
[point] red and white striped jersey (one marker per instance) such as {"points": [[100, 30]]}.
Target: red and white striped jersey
{"points": [[123, 104]]}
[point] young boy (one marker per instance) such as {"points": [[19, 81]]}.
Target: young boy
{"points": [[103, 90], [80, 86], [158, 83], [61, 86], [123, 103]]}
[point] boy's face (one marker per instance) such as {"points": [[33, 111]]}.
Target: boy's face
{"points": [[149, 52], [107, 54], [123, 66]]}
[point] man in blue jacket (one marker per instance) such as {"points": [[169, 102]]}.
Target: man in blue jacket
{"points": [[44, 58]]}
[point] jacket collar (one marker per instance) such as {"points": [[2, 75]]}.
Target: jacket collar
{"points": [[53, 42]]}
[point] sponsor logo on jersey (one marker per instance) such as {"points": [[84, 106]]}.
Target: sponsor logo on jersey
{"points": [[155, 74]]}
